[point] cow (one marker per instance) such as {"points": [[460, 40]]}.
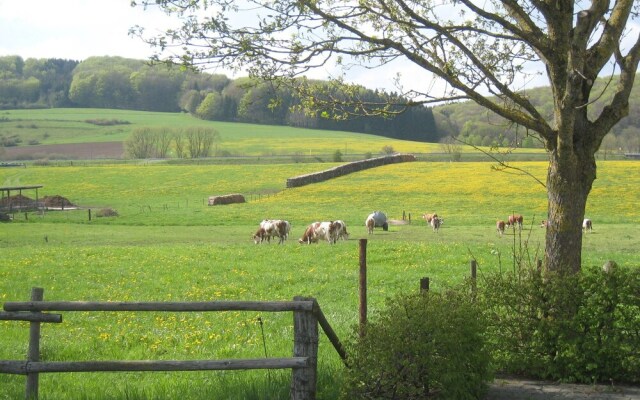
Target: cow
{"points": [[370, 223], [587, 225], [429, 217], [272, 228], [436, 222], [341, 230], [327, 230], [545, 223], [500, 224], [515, 219], [309, 236], [379, 220]]}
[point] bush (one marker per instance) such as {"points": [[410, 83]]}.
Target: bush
{"points": [[106, 212], [576, 328], [420, 346], [337, 156]]}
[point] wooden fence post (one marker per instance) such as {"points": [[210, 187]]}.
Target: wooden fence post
{"points": [[424, 285], [89, 211], [474, 274], [33, 354], [305, 333], [363, 285]]}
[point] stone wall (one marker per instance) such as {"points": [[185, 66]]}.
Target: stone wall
{"points": [[348, 168]]}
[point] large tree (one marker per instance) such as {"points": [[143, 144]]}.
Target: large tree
{"points": [[480, 49]]}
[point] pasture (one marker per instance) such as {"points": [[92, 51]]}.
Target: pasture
{"points": [[168, 245], [72, 126]]}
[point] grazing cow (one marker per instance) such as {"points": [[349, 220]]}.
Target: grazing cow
{"points": [[429, 217], [515, 219], [587, 225], [436, 222], [272, 228], [379, 220], [370, 223], [341, 230], [328, 230], [320, 230], [545, 223], [309, 236], [500, 224]]}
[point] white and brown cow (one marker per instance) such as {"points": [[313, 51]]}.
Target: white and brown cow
{"points": [[272, 228], [587, 225], [327, 230], [435, 223], [370, 223], [309, 236], [428, 217], [515, 220], [500, 225], [341, 230], [545, 223]]}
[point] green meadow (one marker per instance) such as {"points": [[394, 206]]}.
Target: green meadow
{"points": [[167, 244]]}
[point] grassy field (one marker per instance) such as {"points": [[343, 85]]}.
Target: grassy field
{"points": [[168, 245], [69, 126]]}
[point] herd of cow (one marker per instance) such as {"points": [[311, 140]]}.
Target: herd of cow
{"points": [[515, 220], [332, 231]]}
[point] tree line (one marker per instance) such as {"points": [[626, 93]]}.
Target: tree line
{"points": [[122, 83]]}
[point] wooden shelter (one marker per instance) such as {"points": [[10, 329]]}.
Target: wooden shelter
{"points": [[18, 202]]}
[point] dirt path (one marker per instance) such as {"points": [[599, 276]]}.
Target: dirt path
{"points": [[523, 389]]}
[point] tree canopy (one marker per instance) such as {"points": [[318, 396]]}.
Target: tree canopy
{"points": [[482, 50]]}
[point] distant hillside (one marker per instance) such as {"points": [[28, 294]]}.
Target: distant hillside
{"points": [[478, 126], [129, 84]]}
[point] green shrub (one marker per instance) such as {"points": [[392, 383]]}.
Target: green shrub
{"points": [[576, 328], [420, 346], [337, 156]]}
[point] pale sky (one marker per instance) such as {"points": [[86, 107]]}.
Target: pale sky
{"points": [[72, 29], [78, 29]]}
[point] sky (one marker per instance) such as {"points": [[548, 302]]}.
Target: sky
{"points": [[79, 29], [73, 29]]}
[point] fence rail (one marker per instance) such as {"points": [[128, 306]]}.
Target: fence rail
{"points": [[307, 315]]}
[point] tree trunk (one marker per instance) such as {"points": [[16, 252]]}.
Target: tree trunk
{"points": [[569, 182]]}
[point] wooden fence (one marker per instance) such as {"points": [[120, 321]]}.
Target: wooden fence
{"points": [[307, 315]]}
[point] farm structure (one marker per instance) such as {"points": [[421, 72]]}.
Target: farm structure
{"points": [[18, 202], [348, 169], [307, 315]]}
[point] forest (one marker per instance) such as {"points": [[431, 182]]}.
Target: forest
{"points": [[123, 83]]}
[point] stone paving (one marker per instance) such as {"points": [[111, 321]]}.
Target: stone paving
{"points": [[523, 389]]}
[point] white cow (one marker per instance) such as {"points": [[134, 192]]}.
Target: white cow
{"points": [[587, 225], [341, 230]]}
